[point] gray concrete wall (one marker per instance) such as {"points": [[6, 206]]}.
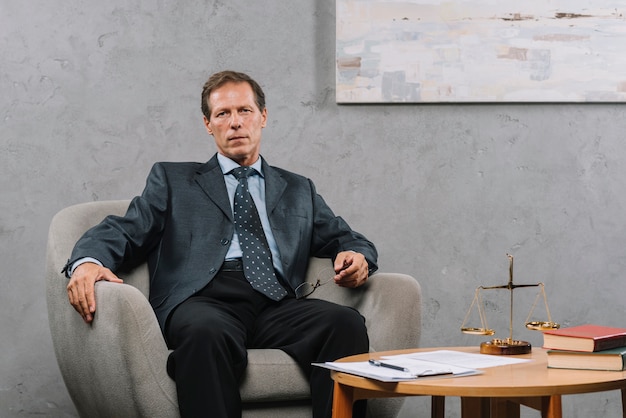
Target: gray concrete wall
{"points": [[92, 93]]}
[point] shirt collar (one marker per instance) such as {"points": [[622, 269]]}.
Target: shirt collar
{"points": [[226, 164]]}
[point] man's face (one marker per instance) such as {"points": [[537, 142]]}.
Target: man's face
{"points": [[236, 122]]}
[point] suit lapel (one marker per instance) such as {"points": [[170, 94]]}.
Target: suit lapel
{"points": [[211, 179], [275, 186]]}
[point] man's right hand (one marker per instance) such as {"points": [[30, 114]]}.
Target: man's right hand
{"points": [[81, 288]]}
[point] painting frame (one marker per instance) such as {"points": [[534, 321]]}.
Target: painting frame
{"points": [[456, 51]]}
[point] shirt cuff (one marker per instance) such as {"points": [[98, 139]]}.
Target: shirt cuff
{"points": [[82, 261]]}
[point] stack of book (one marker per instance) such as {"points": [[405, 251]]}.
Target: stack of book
{"points": [[586, 347]]}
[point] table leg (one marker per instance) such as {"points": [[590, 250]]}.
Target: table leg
{"points": [[437, 407], [475, 407], [549, 406], [623, 402], [343, 400], [552, 407], [504, 408]]}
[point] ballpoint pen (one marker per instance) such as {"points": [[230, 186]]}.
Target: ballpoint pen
{"points": [[425, 373], [389, 366]]}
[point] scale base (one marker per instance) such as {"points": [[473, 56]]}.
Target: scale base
{"points": [[505, 347]]}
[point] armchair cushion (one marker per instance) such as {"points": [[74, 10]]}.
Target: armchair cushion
{"points": [[116, 365]]}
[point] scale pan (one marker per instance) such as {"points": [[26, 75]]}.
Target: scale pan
{"points": [[477, 331], [542, 325]]}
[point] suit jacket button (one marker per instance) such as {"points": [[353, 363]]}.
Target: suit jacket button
{"points": [[212, 271], [225, 241]]}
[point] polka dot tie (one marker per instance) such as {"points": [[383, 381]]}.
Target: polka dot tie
{"points": [[257, 258]]}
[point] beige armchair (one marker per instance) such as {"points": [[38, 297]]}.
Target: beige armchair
{"points": [[115, 367]]}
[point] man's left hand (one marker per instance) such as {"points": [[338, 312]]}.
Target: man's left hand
{"points": [[351, 269]]}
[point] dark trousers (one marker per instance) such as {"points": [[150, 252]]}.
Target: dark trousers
{"points": [[211, 332]]}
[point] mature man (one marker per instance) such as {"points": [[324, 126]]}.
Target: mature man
{"points": [[227, 244]]}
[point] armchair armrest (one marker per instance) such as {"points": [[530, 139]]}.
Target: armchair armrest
{"points": [[101, 355], [390, 302], [392, 307]]}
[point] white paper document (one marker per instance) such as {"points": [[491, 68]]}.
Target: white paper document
{"points": [[421, 365], [460, 358]]}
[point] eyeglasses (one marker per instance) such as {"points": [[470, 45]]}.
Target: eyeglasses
{"points": [[305, 289]]}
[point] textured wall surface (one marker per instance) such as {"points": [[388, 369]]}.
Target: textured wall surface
{"points": [[92, 93]]}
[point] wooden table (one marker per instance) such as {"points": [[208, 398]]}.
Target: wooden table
{"points": [[498, 392]]}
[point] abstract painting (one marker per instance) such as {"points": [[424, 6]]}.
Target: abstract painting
{"points": [[433, 51]]}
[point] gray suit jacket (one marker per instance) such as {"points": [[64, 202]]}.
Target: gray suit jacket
{"points": [[182, 225]]}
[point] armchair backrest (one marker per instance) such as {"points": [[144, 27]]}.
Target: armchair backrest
{"points": [[71, 223]]}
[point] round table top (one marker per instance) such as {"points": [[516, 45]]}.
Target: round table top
{"points": [[532, 378]]}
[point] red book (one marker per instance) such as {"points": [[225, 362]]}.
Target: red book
{"points": [[588, 338]]}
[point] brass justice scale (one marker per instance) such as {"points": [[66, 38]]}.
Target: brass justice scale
{"points": [[507, 346]]}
